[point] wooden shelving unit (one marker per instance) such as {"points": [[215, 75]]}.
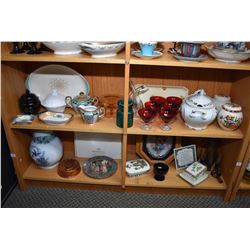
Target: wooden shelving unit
{"points": [[111, 76]]}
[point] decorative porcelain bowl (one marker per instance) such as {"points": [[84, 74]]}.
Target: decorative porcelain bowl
{"points": [[64, 48], [228, 56], [102, 49]]}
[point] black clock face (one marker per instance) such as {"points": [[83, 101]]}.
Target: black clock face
{"points": [[158, 147]]}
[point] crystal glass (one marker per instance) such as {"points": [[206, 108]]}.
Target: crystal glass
{"points": [[167, 115], [158, 101], [174, 101], [147, 116]]}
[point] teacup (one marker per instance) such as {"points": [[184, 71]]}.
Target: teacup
{"points": [[147, 48], [189, 49], [91, 113]]}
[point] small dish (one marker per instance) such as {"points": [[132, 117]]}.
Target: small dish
{"points": [[99, 167], [55, 118], [23, 119], [193, 181], [138, 53], [200, 58]]}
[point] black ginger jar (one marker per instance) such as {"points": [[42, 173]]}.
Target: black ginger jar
{"points": [[29, 103]]}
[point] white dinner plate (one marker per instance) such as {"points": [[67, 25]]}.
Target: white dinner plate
{"points": [[67, 81]]}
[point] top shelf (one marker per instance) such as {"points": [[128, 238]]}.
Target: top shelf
{"points": [[165, 60], [168, 60]]}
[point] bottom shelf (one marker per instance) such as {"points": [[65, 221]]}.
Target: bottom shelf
{"points": [[244, 185], [172, 180], [38, 174]]}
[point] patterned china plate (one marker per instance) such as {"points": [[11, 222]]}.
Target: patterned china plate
{"points": [[99, 167], [200, 58], [137, 53]]}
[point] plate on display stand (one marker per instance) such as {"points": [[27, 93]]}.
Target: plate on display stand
{"points": [[65, 80]]}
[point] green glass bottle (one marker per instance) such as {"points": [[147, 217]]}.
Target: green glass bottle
{"points": [[120, 111]]}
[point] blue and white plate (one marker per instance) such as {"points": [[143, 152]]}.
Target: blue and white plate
{"points": [[200, 58], [138, 53]]}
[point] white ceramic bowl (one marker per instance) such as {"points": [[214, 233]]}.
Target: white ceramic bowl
{"points": [[228, 56], [102, 49], [64, 48]]}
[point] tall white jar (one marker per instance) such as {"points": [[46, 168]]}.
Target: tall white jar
{"points": [[230, 116], [46, 149]]}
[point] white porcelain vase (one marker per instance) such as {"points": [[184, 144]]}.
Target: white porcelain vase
{"points": [[46, 149], [198, 110]]}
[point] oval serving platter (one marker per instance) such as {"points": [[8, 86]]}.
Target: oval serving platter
{"points": [[99, 167]]}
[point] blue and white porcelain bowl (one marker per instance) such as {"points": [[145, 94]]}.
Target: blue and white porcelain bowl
{"points": [[64, 48], [228, 56], [102, 49]]}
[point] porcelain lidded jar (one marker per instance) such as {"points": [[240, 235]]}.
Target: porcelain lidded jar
{"points": [[198, 110], [230, 116], [46, 149], [54, 102]]}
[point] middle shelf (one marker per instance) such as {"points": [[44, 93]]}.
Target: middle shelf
{"points": [[108, 125]]}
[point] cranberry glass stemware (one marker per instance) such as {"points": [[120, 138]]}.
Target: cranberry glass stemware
{"points": [[167, 115], [147, 115], [158, 101]]}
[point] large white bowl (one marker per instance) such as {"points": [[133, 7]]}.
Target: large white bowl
{"points": [[228, 56], [64, 48], [102, 49]]}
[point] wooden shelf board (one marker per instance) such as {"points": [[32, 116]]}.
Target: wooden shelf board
{"points": [[172, 180], [168, 60], [105, 125], [50, 57], [35, 173], [244, 185], [180, 129]]}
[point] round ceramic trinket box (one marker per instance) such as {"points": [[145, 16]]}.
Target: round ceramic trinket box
{"points": [[230, 116]]}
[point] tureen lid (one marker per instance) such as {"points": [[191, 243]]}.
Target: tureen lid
{"points": [[54, 99], [232, 107], [199, 99]]}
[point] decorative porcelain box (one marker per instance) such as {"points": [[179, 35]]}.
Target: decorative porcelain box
{"points": [[137, 167], [195, 173], [92, 144]]}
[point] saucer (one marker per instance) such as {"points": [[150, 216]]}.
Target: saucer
{"points": [[200, 58], [137, 53]]}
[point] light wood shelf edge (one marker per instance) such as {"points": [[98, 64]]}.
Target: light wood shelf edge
{"points": [[35, 173], [172, 180], [180, 129]]}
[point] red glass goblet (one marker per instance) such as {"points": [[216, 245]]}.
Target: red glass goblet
{"points": [[151, 105], [147, 115], [167, 115], [158, 101], [174, 101]]}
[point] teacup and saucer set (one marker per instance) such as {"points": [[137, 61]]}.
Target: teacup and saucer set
{"points": [[188, 52], [148, 50]]}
